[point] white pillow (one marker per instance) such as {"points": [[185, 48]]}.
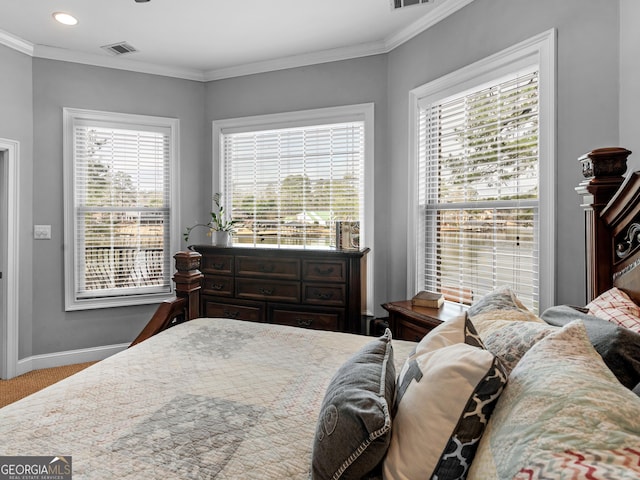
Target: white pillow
{"points": [[446, 392]]}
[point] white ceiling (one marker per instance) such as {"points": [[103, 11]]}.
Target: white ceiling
{"points": [[212, 39]]}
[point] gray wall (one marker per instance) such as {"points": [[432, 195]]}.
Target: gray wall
{"points": [[630, 80], [61, 84], [587, 110], [587, 104], [16, 123], [361, 80]]}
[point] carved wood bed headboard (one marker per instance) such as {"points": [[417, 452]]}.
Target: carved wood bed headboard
{"points": [[612, 228]]}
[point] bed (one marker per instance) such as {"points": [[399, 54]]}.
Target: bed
{"points": [[201, 398]]}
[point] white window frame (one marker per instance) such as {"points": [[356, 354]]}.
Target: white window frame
{"points": [[359, 112], [539, 50], [70, 117]]}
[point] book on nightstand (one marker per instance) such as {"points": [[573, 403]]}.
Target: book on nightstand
{"points": [[427, 299]]}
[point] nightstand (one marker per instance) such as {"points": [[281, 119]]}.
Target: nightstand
{"points": [[408, 322]]}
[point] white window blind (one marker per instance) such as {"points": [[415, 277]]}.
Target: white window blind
{"points": [[289, 186], [478, 191], [122, 204]]}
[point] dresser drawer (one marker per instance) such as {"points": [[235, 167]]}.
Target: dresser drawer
{"points": [[271, 290], [324, 294], [222, 264], [324, 270], [280, 268], [247, 311], [218, 285], [300, 318], [323, 289], [410, 331]]}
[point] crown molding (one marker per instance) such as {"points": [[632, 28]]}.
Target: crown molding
{"points": [[323, 56], [53, 53], [16, 43], [438, 13]]}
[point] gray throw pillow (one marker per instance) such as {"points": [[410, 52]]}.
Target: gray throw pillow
{"points": [[354, 425], [619, 347]]}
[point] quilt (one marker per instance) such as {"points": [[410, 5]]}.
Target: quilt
{"points": [[210, 398]]}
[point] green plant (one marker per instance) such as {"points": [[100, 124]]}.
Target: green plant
{"points": [[218, 221]]}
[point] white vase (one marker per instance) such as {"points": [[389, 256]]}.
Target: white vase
{"points": [[220, 238]]}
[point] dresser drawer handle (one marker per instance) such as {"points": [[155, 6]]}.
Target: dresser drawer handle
{"points": [[328, 271], [217, 286], [266, 268], [324, 296], [229, 314], [266, 291], [304, 322], [218, 266]]}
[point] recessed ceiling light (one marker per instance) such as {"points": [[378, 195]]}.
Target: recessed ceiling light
{"points": [[65, 18]]}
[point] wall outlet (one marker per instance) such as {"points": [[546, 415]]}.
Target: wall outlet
{"points": [[42, 232]]}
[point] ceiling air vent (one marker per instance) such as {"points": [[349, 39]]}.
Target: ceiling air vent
{"points": [[406, 3], [119, 48]]}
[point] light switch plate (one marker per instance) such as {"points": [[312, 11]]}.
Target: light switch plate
{"points": [[42, 232]]}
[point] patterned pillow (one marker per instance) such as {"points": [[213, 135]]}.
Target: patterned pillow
{"points": [[588, 464], [619, 347], [446, 392], [502, 298], [561, 401], [354, 426], [514, 339], [615, 306], [498, 309], [457, 330], [507, 328]]}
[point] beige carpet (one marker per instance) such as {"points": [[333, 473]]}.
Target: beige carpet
{"points": [[19, 387]]}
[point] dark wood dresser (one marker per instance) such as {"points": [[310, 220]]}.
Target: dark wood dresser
{"points": [[320, 289]]}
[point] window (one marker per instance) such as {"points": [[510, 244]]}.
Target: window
{"points": [[287, 179], [484, 180], [120, 208]]}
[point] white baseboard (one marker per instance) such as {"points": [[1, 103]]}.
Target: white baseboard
{"points": [[59, 359]]}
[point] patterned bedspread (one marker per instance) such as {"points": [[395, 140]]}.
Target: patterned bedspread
{"points": [[211, 398]]}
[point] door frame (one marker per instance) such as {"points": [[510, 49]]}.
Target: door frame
{"points": [[9, 315]]}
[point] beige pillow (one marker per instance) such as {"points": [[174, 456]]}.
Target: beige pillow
{"points": [[507, 328], [446, 392], [562, 414], [514, 339], [498, 309]]}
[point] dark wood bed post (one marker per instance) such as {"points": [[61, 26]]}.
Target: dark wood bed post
{"points": [[604, 170], [186, 305], [188, 281]]}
